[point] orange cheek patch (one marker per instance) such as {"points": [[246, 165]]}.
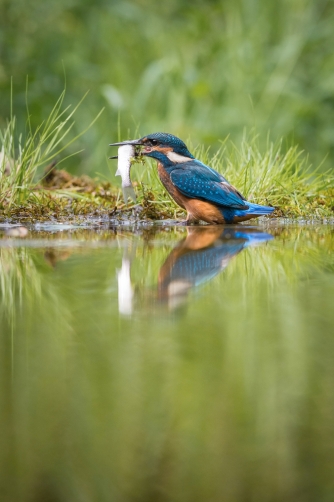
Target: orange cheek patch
{"points": [[163, 149]]}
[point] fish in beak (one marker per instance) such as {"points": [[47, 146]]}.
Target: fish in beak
{"points": [[133, 142], [126, 155]]}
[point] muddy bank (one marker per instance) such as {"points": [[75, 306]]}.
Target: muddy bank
{"points": [[62, 197]]}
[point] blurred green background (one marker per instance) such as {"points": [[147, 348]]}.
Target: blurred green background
{"points": [[198, 69]]}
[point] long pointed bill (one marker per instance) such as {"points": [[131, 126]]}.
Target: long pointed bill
{"points": [[128, 142]]}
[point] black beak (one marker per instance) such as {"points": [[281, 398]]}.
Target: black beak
{"points": [[128, 142]]}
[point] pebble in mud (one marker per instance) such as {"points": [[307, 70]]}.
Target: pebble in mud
{"points": [[20, 232]]}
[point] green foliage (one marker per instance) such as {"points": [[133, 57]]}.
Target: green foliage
{"points": [[267, 175], [199, 69], [20, 158]]}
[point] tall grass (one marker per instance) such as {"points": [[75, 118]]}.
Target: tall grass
{"points": [[21, 156], [270, 174]]}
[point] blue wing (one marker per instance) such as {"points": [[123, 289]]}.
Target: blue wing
{"points": [[198, 181]]}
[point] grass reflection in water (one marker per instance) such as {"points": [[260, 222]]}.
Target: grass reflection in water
{"points": [[213, 383]]}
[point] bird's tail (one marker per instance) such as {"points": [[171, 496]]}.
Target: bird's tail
{"points": [[253, 211], [257, 209]]}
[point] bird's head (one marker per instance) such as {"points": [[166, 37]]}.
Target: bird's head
{"points": [[162, 146]]}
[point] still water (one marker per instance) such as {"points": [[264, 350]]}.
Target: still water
{"points": [[167, 364]]}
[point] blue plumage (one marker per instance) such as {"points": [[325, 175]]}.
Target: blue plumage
{"points": [[198, 181], [202, 191], [164, 138]]}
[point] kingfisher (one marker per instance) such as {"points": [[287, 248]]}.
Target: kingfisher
{"points": [[203, 192]]}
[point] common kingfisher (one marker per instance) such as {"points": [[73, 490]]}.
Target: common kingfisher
{"points": [[203, 192]]}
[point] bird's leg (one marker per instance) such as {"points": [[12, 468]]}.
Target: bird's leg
{"points": [[187, 223], [191, 219]]}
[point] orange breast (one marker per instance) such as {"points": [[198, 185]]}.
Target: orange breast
{"points": [[196, 209], [171, 189], [201, 210]]}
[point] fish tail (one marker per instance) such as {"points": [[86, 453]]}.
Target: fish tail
{"points": [[129, 192]]}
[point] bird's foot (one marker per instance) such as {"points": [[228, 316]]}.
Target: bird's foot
{"points": [[187, 223], [191, 219]]}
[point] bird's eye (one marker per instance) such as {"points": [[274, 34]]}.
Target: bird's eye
{"points": [[154, 141]]}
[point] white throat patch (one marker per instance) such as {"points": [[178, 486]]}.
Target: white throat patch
{"points": [[176, 158]]}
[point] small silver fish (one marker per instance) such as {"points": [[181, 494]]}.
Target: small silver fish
{"points": [[125, 155]]}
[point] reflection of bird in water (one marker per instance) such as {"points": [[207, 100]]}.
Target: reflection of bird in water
{"points": [[206, 251], [199, 257]]}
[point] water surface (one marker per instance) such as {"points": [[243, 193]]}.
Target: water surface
{"points": [[167, 364]]}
